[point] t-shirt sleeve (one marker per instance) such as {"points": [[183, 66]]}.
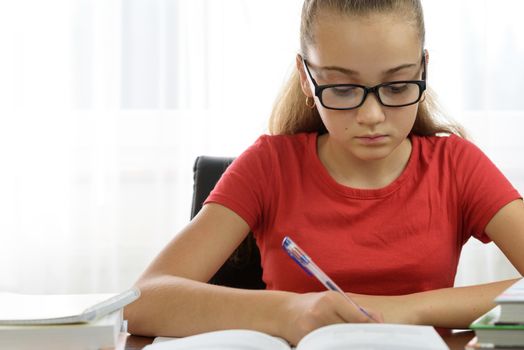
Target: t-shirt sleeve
{"points": [[483, 189], [244, 185]]}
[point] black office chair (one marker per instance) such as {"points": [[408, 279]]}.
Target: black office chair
{"points": [[242, 269]]}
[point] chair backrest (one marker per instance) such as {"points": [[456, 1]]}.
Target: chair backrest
{"points": [[242, 269]]}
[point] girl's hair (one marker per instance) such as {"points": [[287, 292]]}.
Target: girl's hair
{"points": [[290, 113]]}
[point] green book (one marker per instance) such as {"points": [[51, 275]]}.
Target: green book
{"points": [[490, 331]]}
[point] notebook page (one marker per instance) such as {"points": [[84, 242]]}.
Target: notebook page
{"points": [[373, 336], [231, 339]]}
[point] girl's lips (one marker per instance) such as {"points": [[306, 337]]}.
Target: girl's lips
{"points": [[371, 139]]}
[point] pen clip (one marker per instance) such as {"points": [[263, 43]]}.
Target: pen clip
{"points": [[296, 254]]}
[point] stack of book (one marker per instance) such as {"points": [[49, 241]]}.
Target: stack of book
{"points": [[79, 321], [503, 326]]}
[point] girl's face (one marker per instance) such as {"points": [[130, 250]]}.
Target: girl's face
{"points": [[365, 51]]}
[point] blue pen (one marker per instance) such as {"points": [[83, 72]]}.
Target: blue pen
{"points": [[305, 262]]}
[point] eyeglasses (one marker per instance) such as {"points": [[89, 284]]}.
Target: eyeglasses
{"points": [[350, 96]]}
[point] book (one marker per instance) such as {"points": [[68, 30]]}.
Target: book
{"points": [[511, 302], [474, 344], [103, 332], [369, 336], [32, 309], [490, 332]]}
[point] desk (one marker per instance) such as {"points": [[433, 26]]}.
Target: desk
{"points": [[455, 341]]}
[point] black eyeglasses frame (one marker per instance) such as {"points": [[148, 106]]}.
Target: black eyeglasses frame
{"points": [[373, 89]]}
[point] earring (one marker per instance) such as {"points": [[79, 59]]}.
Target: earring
{"points": [[311, 104]]}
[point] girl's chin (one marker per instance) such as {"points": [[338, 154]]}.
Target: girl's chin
{"points": [[372, 152]]}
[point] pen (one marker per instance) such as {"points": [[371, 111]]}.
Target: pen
{"points": [[305, 262]]}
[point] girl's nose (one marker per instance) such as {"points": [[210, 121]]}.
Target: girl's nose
{"points": [[371, 112]]}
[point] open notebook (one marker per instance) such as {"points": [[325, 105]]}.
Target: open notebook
{"points": [[32, 309], [369, 336]]}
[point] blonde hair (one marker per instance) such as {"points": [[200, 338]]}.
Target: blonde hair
{"points": [[290, 113]]}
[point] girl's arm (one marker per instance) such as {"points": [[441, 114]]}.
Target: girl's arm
{"points": [[458, 307], [176, 301], [447, 308]]}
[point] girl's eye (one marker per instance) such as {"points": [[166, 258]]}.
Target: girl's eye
{"points": [[344, 90], [396, 88]]}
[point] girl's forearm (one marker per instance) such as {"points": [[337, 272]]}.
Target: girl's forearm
{"points": [[174, 306], [455, 307], [177, 307]]}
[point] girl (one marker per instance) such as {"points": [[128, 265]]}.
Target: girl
{"points": [[358, 173]]}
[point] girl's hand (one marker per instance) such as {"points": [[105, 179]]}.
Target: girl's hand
{"points": [[307, 312]]}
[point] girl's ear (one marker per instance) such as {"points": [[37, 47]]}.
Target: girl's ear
{"points": [[426, 56], [304, 82]]}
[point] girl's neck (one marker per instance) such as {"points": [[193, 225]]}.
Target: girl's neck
{"points": [[350, 171]]}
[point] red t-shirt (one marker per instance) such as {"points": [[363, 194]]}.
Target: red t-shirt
{"points": [[400, 239]]}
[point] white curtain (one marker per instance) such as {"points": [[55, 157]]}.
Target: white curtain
{"points": [[104, 105], [476, 54]]}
